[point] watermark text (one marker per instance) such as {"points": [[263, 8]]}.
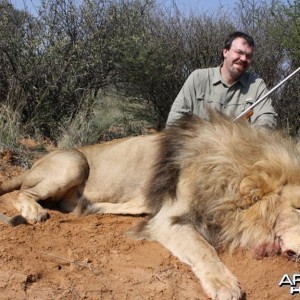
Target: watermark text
{"points": [[292, 281]]}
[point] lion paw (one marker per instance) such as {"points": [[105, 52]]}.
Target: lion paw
{"points": [[222, 286], [33, 212]]}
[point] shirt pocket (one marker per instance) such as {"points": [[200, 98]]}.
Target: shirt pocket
{"points": [[236, 108], [209, 102], [243, 105], [204, 103]]}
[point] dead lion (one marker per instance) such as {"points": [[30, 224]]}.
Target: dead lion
{"points": [[204, 184]]}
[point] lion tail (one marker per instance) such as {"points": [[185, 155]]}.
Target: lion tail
{"points": [[11, 185]]}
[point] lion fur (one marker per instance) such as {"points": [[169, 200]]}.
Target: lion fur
{"points": [[231, 173]]}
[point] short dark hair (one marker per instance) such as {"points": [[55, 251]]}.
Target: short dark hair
{"points": [[237, 34]]}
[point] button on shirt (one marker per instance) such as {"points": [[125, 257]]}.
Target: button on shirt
{"points": [[205, 88]]}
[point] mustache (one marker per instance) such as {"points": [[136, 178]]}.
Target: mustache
{"points": [[239, 62]]}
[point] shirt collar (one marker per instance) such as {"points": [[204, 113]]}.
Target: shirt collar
{"points": [[217, 78], [244, 79]]}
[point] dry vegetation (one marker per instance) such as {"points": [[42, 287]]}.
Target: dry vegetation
{"points": [[71, 72]]}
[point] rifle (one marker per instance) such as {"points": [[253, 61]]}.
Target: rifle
{"points": [[248, 112]]}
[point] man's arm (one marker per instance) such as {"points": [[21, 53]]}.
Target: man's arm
{"points": [[264, 113], [183, 103]]}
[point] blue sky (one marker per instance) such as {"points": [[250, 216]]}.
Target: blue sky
{"points": [[185, 6], [31, 4]]}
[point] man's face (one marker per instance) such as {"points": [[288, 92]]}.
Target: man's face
{"points": [[238, 58]]}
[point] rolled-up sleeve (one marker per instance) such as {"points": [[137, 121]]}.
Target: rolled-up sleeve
{"points": [[264, 113]]}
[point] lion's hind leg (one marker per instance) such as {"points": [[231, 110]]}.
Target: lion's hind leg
{"points": [[51, 179], [185, 242]]}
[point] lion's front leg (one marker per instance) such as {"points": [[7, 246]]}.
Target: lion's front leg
{"points": [[29, 208], [185, 242]]}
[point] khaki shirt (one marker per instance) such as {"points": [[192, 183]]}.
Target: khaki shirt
{"points": [[205, 88]]}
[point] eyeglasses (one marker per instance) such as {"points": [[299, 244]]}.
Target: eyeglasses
{"points": [[249, 56]]}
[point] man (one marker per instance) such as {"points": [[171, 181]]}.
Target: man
{"points": [[227, 88]]}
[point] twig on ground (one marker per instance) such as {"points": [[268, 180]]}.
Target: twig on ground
{"points": [[75, 262]]}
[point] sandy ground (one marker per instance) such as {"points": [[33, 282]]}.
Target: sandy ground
{"points": [[90, 258]]}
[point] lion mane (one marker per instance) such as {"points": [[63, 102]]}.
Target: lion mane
{"points": [[232, 175]]}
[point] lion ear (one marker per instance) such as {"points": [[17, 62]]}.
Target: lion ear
{"points": [[254, 187], [265, 178]]}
